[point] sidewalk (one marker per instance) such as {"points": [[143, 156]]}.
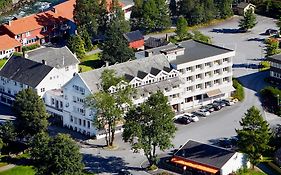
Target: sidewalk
{"points": [[7, 167]]}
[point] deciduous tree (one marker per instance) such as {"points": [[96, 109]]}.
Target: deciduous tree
{"points": [[110, 106], [254, 136], [181, 30], [31, 113], [272, 46], [57, 156], [248, 21], [150, 126], [7, 133]]}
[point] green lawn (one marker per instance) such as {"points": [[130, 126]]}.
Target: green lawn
{"points": [[90, 62], [248, 172], [2, 62], [19, 170]]}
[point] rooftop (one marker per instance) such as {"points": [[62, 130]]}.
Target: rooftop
{"points": [[193, 50], [243, 5], [275, 57], [25, 71], [133, 36], [205, 154], [136, 68], [152, 42], [54, 57], [6, 42]]}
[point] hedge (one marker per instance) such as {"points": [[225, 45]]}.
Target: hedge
{"points": [[30, 47], [239, 92]]}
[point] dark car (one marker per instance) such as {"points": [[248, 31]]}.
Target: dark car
{"points": [[183, 120], [210, 107], [220, 102], [226, 102], [217, 106], [271, 32]]}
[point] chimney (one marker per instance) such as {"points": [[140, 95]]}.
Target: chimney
{"points": [[9, 23], [167, 37], [148, 53], [44, 62], [106, 63]]}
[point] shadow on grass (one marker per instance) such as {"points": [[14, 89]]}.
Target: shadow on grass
{"points": [[94, 64]]}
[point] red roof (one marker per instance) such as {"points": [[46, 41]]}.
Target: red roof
{"points": [[61, 12], [6, 42]]}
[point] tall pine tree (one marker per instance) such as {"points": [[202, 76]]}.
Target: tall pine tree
{"points": [[254, 136]]}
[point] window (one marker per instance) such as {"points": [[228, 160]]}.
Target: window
{"points": [[27, 34], [71, 118], [16, 83], [189, 88], [198, 86], [42, 89], [187, 100], [198, 66], [188, 79], [217, 81], [225, 60], [53, 101], [224, 69], [80, 121], [188, 69], [84, 123], [89, 124], [207, 74], [216, 71], [198, 76], [66, 68], [208, 64]]}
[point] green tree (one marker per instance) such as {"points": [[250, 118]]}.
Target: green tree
{"points": [[225, 8], [186, 8], [7, 133], [197, 15], [150, 126], [110, 107], [155, 15], [272, 46], [182, 30], [137, 15], [86, 15], [249, 20], [116, 47], [209, 10], [76, 45], [87, 41], [31, 113], [57, 156], [254, 136]]}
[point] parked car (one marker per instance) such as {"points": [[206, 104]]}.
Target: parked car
{"points": [[217, 106], [220, 102], [228, 102], [271, 32], [192, 117], [210, 107], [183, 120], [201, 113]]}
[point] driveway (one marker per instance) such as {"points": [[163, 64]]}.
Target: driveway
{"points": [[249, 47]]}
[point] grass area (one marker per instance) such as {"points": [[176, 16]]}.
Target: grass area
{"points": [[2, 62], [90, 62], [250, 172], [19, 170]]}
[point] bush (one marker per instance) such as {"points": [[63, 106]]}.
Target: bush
{"points": [[270, 99], [265, 65], [152, 168], [239, 92], [17, 54], [30, 47]]}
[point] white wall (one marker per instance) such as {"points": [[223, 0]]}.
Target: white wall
{"points": [[237, 161], [6, 53], [70, 96]]}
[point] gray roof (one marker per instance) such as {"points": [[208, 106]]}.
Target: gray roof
{"points": [[193, 50], [25, 71], [136, 68], [133, 36], [55, 57], [205, 154]]}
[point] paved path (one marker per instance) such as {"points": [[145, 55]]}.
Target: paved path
{"points": [[94, 51], [7, 167]]}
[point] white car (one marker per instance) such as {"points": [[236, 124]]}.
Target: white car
{"points": [[204, 111], [192, 117]]}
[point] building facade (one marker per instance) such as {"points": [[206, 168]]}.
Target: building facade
{"points": [[275, 68], [8, 46], [190, 74]]}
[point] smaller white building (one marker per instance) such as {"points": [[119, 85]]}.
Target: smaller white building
{"points": [[200, 158], [8, 46]]}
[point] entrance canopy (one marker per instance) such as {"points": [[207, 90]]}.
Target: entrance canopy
{"points": [[214, 93], [194, 165]]}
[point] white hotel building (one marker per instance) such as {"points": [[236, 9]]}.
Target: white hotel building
{"points": [[190, 73]]}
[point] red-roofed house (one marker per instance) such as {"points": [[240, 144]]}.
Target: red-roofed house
{"points": [[40, 28], [8, 46]]}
